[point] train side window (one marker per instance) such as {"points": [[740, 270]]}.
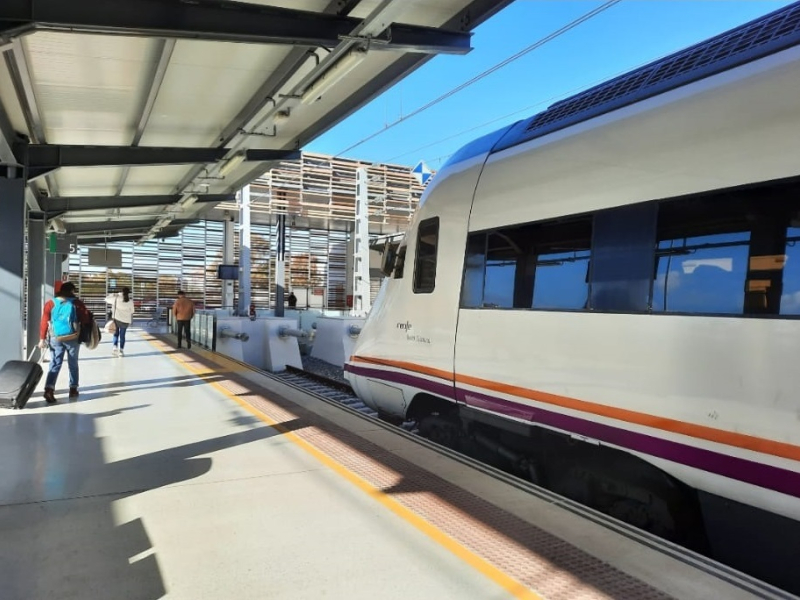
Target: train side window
{"points": [[702, 256], [474, 271], [790, 294], [502, 257], [562, 251], [425, 262], [400, 262]]}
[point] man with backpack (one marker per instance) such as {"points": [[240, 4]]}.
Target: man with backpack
{"points": [[61, 323]]}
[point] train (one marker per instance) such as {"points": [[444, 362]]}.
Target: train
{"points": [[604, 298]]}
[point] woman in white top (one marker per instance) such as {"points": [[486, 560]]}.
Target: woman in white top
{"points": [[122, 313]]}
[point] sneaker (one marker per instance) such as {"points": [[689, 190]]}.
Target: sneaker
{"points": [[50, 396], [73, 392], [121, 353], [115, 351]]}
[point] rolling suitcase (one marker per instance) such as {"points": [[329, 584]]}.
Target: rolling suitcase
{"points": [[18, 379]]}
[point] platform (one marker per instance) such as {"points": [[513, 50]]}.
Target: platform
{"points": [[177, 474]]}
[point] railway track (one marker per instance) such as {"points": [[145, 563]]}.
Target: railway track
{"points": [[325, 388]]}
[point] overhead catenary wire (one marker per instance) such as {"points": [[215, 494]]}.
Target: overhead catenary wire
{"points": [[548, 38]]}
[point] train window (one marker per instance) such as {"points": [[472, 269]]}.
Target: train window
{"points": [[502, 256], [702, 274], [790, 294], [425, 263], [622, 258], [400, 262], [562, 252], [474, 267]]}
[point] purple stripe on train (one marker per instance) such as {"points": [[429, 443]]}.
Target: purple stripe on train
{"points": [[766, 476]]}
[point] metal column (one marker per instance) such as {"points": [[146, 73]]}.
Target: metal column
{"points": [[244, 251], [360, 275], [228, 233], [36, 277], [280, 266], [12, 232]]}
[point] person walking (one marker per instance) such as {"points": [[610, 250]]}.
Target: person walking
{"points": [[292, 299], [183, 310], [122, 313], [60, 328]]}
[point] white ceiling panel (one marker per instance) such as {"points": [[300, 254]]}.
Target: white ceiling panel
{"points": [[89, 181], [205, 87], [88, 86], [112, 90], [155, 177]]}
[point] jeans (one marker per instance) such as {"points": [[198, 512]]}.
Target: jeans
{"points": [[184, 326], [59, 348], [119, 335]]}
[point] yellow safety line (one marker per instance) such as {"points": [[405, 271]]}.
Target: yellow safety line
{"points": [[516, 588]]}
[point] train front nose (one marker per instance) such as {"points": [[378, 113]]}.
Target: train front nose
{"points": [[360, 385]]}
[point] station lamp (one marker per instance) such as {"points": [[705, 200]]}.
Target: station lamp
{"points": [[333, 75]]}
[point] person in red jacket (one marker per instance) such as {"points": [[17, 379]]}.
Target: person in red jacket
{"points": [[60, 347]]}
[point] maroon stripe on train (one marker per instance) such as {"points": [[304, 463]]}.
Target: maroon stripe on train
{"points": [[747, 471]]}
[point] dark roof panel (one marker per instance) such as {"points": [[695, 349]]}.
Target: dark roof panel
{"points": [[767, 35]]}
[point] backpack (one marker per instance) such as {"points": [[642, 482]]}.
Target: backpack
{"points": [[64, 319]]}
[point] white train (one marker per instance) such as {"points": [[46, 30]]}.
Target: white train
{"points": [[606, 298]]}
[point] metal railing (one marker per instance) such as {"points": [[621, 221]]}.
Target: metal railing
{"points": [[202, 330]]}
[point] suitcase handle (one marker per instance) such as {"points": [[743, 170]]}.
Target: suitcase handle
{"points": [[41, 354]]}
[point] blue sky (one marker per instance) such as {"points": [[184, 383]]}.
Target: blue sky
{"points": [[628, 34]]}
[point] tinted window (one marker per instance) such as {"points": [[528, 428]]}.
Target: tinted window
{"points": [[425, 264], [474, 266], [702, 274], [400, 262], [502, 255], [790, 296], [562, 264]]}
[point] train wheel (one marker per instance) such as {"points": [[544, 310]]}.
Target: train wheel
{"points": [[441, 429]]}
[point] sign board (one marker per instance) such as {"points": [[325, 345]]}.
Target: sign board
{"points": [[103, 257], [421, 172], [62, 244]]}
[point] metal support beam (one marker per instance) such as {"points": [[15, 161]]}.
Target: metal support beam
{"points": [[120, 226], [165, 49], [45, 158], [17, 63], [82, 203], [12, 229], [128, 237], [36, 273], [218, 20], [244, 251], [280, 266], [228, 243], [361, 283]]}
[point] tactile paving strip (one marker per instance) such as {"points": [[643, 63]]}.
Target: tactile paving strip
{"points": [[545, 563]]}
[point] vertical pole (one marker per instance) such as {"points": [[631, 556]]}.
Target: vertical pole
{"points": [[50, 275], [280, 264], [36, 274], [360, 275], [12, 232], [244, 252], [228, 233]]}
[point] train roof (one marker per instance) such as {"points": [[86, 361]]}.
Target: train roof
{"points": [[757, 39]]}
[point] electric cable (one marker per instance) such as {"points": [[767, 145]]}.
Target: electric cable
{"points": [[500, 65]]}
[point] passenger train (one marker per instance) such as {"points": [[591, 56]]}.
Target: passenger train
{"points": [[605, 298]]}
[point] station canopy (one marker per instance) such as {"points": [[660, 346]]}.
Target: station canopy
{"points": [[134, 117]]}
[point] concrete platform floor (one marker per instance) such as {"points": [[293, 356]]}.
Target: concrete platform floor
{"points": [[185, 476], [153, 484]]}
